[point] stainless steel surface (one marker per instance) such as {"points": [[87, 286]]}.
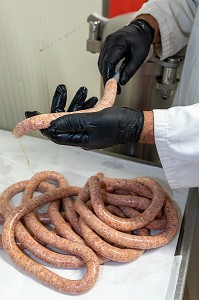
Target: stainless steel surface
{"points": [[184, 247], [96, 25], [169, 81]]}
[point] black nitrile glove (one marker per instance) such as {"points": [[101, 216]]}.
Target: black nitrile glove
{"points": [[78, 102], [131, 43], [108, 127]]}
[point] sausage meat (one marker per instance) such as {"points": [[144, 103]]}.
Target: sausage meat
{"points": [[39, 271], [122, 238], [43, 120], [25, 238], [92, 224]]}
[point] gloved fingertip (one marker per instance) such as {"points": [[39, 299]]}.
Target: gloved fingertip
{"points": [[61, 88], [127, 72], [84, 89], [46, 133], [61, 91], [118, 89], [94, 100], [106, 75], [104, 81], [52, 127], [123, 79], [59, 99], [29, 114], [78, 100], [43, 131], [90, 103], [81, 93]]}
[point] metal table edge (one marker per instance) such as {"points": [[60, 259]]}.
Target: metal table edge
{"points": [[185, 240]]}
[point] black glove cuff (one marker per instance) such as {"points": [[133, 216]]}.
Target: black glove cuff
{"points": [[145, 26], [139, 123], [131, 126]]}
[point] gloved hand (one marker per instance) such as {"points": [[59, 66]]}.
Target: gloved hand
{"points": [[131, 43], [108, 127], [78, 102]]}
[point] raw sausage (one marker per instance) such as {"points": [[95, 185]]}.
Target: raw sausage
{"points": [[27, 241], [156, 224], [40, 231], [71, 214], [107, 250], [124, 239], [42, 121], [61, 227], [106, 226], [39, 271], [131, 223]]}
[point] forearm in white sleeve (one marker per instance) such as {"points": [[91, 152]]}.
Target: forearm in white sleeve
{"points": [[176, 133], [175, 19]]}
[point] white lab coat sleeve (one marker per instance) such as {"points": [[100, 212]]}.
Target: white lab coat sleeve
{"points": [[176, 133], [175, 19]]}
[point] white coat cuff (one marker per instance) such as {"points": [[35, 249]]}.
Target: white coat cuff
{"points": [[162, 144]]}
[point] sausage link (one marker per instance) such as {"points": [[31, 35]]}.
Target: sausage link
{"points": [[130, 185], [34, 226], [43, 120], [105, 249], [27, 241], [156, 224], [1, 222], [137, 202], [34, 268], [71, 214], [17, 242], [115, 210], [1, 219], [124, 239], [99, 238], [43, 218], [102, 259], [131, 223], [61, 226]]}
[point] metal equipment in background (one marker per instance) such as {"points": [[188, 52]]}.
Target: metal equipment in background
{"points": [[153, 86]]}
